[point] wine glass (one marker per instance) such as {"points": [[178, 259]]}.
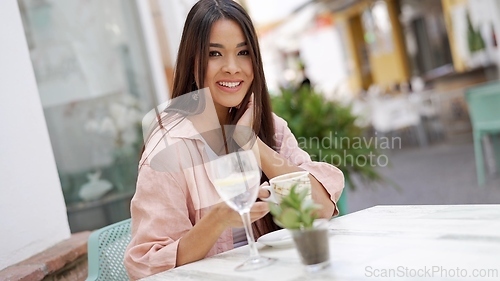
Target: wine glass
{"points": [[237, 180]]}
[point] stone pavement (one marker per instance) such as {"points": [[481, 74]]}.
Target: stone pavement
{"points": [[443, 173]]}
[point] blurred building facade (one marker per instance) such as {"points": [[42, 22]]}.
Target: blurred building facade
{"points": [[433, 49], [426, 39], [386, 43], [386, 49]]}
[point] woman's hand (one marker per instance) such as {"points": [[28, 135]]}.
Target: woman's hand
{"points": [[198, 241], [243, 133], [247, 117], [230, 218]]}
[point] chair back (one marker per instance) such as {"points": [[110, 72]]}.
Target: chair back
{"points": [[106, 249], [484, 103]]}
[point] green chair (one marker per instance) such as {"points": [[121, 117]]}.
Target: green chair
{"points": [[106, 247], [484, 111]]}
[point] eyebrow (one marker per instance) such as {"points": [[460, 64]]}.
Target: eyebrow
{"points": [[217, 45]]}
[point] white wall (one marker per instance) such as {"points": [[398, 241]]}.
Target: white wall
{"points": [[32, 210], [322, 54], [174, 13], [153, 51]]}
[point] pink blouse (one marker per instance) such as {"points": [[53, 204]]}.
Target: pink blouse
{"points": [[174, 191]]}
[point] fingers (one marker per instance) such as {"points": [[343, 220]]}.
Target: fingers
{"points": [[259, 209], [251, 102], [243, 133], [264, 193], [231, 218]]}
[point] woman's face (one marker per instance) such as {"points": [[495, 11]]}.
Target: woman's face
{"points": [[229, 72]]}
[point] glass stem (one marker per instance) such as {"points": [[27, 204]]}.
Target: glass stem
{"points": [[254, 253]]}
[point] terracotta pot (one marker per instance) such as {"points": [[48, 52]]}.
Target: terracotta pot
{"points": [[312, 245]]}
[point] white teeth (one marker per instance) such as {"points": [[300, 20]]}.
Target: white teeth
{"points": [[230, 84]]}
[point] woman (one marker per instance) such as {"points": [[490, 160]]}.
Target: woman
{"points": [[175, 215]]}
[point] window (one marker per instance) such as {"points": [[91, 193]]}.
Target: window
{"points": [[93, 79], [426, 37]]}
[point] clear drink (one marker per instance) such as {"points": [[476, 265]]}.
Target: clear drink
{"points": [[237, 179], [239, 190]]}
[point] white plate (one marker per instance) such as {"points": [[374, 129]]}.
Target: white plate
{"points": [[279, 239]]}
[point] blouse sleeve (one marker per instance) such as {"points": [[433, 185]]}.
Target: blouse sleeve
{"points": [[328, 175], [158, 202]]}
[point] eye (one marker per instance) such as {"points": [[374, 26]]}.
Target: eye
{"points": [[214, 54], [244, 53]]}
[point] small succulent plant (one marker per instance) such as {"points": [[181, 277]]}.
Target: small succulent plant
{"points": [[295, 211]]}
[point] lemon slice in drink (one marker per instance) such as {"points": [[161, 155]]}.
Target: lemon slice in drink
{"points": [[238, 179]]}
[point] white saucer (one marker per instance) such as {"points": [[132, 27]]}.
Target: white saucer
{"points": [[279, 239]]}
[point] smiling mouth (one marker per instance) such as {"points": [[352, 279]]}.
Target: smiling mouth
{"points": [[229, 84]]}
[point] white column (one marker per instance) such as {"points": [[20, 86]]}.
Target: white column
{"points": [[153, 51], [174, 13], [32, 209]]}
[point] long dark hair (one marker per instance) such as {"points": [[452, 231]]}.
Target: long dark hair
{"points": [[193, 57], [194, 49]]}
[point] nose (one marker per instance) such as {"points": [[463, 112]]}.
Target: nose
{"points": [[231, 65]]}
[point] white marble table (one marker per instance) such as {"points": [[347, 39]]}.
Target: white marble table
{"points": [[437, 242]]}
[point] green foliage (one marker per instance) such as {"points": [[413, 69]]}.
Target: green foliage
{"points": [[328, 132], [474, 38], [295, 211]]}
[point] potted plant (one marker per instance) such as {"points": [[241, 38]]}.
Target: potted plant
{"points": [[476, 44], [310, 235], [328, 131]]}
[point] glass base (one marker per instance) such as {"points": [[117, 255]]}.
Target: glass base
{"points": [[311, 268], [255, 263]]}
